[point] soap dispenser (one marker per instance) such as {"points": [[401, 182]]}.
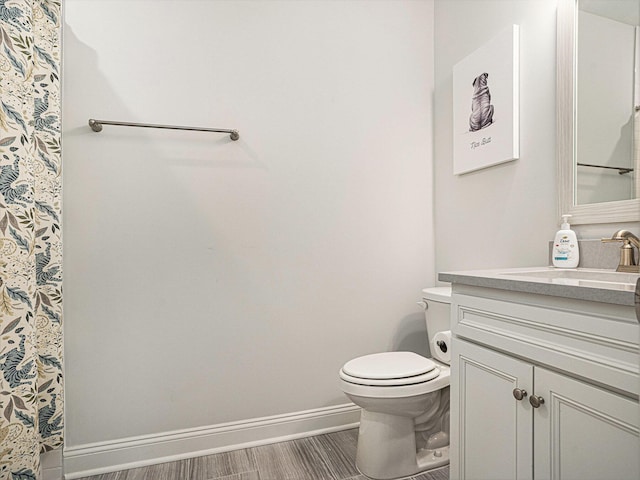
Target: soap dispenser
{"points": [[565, 246]]}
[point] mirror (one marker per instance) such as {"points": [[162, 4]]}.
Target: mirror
{"points": [[598, 125], [605, 116]]}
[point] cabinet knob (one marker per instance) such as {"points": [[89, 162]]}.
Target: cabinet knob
{"points": [[519, 393], [536, 401]]}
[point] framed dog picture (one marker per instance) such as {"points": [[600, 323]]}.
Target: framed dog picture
{"points": [[485, 104]]}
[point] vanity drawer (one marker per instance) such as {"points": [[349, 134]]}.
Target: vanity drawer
{"points": [[599, 345]]}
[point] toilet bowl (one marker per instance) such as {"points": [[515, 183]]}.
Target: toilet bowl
{"points": [[404, 397]]}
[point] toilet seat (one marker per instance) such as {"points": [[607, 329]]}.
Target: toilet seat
{"points": [[356, 387], [389, 369]]}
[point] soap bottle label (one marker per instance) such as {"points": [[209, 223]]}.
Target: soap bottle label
{"points": [[564, 248]]}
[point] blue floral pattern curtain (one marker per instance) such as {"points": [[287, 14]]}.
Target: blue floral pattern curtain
{"points": [[31, 395]]}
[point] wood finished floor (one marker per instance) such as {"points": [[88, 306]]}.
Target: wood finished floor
{"points": [[324, 457]]}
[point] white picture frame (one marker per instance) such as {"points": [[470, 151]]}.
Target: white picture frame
{"points": [[486, 104]]}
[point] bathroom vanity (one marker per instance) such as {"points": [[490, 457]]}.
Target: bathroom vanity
{"points": [[544, 375]]}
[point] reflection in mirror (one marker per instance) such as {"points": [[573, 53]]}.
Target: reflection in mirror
{"points": [[606, 96], [598, 90]]}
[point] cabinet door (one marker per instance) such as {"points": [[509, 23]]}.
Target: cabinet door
{"points": [[491, 431], [583, 432]]}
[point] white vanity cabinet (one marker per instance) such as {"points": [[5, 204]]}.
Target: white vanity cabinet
{"points": [[577, 360]]}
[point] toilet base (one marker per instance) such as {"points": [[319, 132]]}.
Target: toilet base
{"points": [[430, 459], [387, 448]]}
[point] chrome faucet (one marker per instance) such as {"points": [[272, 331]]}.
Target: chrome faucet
{"points": [[627, 253]]}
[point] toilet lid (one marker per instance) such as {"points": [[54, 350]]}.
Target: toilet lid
{"points": [[390, 366]]}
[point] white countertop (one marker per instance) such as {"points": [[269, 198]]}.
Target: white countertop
{"points": [[605, 286]]}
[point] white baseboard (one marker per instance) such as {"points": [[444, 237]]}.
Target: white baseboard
{"points": [[52, 474], [51, 465], [104, 457]]}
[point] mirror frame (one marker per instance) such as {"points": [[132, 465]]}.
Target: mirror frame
{"points": [[609, 212]]}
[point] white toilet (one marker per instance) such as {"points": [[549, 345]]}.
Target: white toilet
{"points": [[404, 424]]}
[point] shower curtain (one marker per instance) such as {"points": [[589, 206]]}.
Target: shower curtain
{"points": [[31, 395]]}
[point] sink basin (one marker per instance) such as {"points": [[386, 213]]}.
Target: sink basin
{"points": [[580, 277]]}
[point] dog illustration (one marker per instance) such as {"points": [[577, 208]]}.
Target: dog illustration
{"points": [[481, 108]]}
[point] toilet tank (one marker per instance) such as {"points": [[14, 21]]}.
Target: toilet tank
{"points": [[437, 312]]}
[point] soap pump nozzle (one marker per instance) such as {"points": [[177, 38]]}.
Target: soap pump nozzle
{"points": [[565, 222]]}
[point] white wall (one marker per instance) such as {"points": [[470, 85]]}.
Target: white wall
{"points": [[209, 281], [502, 216], [506, 215]]}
